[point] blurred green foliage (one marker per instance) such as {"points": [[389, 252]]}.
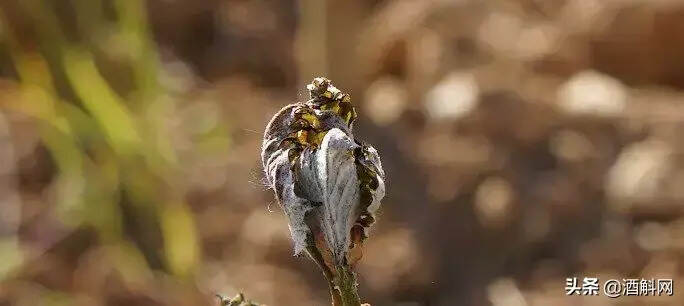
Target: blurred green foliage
{"points": [[111, 146]]}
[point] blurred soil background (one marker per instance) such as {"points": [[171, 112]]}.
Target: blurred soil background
{"points": [[525, 141]]}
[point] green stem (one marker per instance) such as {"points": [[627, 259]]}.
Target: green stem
{"points": [[345, 284], [342, 283]]}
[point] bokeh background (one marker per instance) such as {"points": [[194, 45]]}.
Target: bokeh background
{"points": [[525, 142]]}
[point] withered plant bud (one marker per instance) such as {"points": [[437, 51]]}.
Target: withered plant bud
{"points": [[328, 183]]}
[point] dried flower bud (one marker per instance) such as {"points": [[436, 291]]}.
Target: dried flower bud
{"points": [[328, 184]]}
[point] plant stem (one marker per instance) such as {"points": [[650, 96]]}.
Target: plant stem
{"points": [[345, 284]]}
